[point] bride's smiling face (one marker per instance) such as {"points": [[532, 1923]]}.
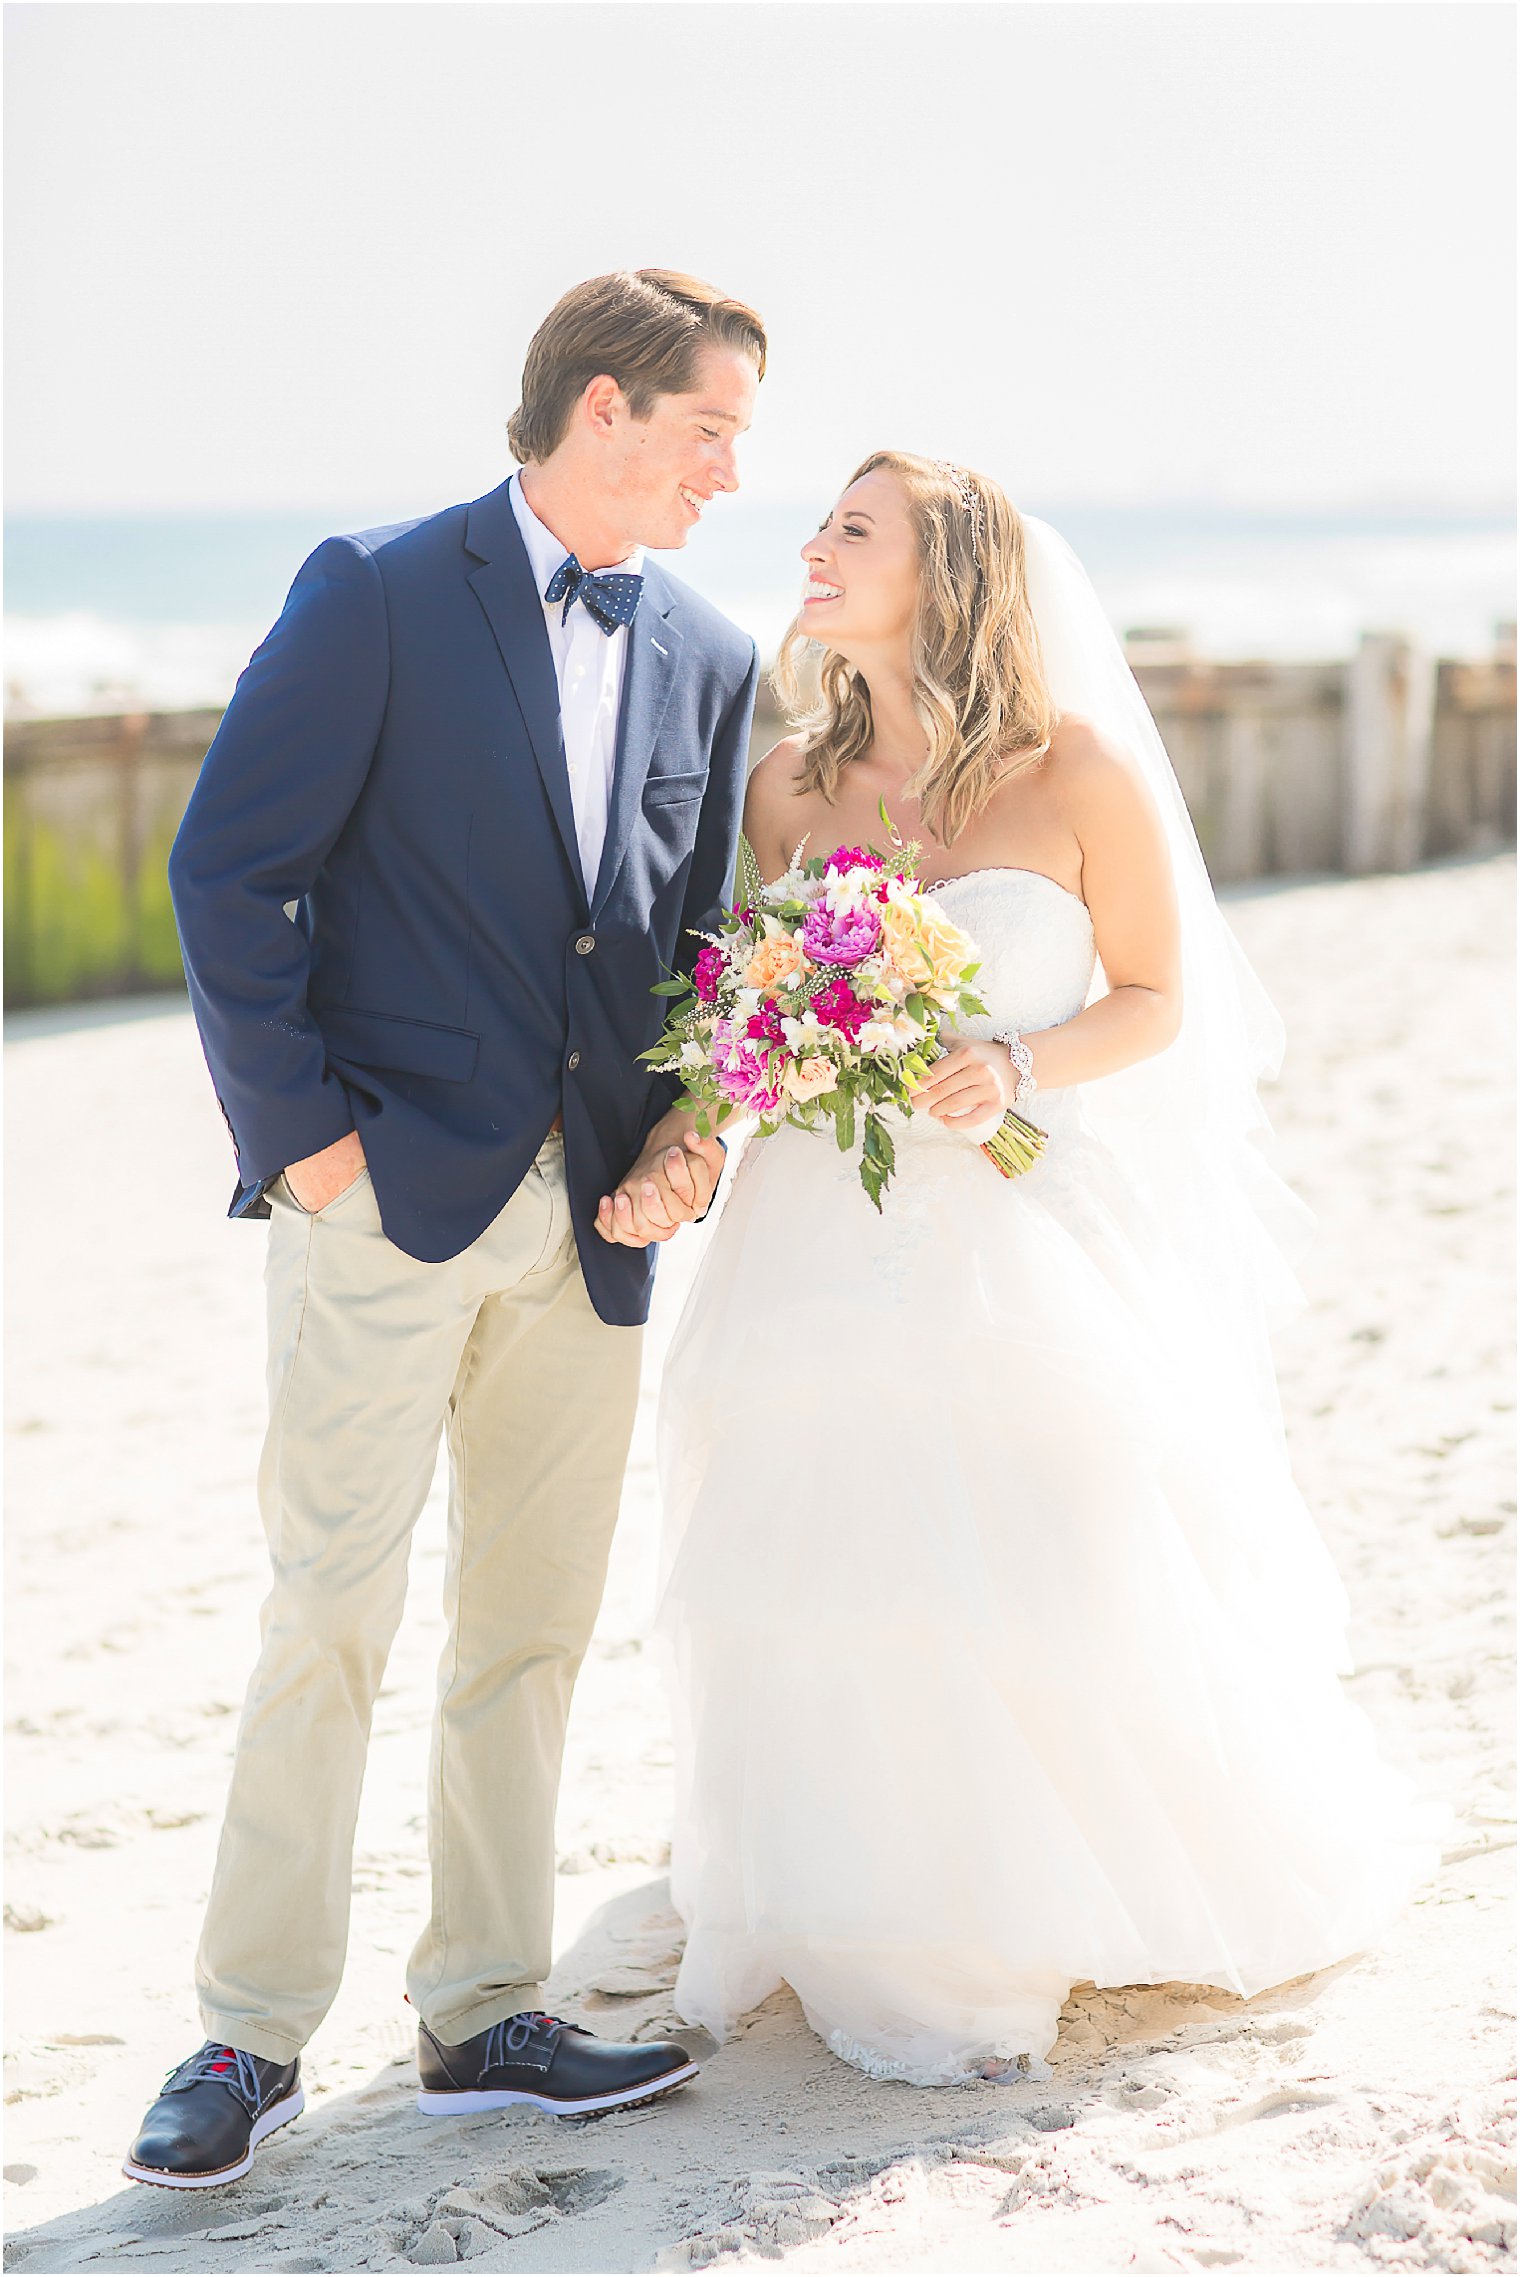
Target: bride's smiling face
{"points": [[863, 571]]}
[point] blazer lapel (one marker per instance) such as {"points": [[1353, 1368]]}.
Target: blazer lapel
{"points": [[654, 656], [504, 586]]}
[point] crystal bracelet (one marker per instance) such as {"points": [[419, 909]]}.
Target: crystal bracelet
{"points": [[1023, 1060]]}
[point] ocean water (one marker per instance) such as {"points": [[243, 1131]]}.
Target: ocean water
{"points": [[105, 612]]}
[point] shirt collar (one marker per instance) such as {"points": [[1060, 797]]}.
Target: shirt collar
{"points": [[545, 553]]}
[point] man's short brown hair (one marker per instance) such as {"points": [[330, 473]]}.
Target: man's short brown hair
{"points": [[645, 328]]}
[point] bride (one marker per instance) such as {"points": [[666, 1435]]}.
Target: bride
{"points": [[1004, 1650]]}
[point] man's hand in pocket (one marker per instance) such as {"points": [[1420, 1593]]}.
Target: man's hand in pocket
{"points": [[321, 1178]]}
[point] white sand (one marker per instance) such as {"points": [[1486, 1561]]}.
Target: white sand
{"points": [[1348, 2120]]}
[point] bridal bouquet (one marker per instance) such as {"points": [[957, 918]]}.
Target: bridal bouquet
{"points": [[822, 1000]]}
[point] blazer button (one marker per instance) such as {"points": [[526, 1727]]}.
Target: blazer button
{"points": [[573, 1062], [585, 944]]}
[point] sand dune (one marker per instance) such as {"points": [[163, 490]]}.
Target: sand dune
{"points": [[1358, 2119]]}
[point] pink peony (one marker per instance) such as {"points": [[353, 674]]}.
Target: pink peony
{"points": [[744, 1082], [740, 1072], [842, 940]]}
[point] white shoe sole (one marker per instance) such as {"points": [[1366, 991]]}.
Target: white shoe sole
{"points": [[464, 2100], [278, 2115]]}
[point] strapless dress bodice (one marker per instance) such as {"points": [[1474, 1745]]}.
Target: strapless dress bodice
{"points": [[1035, 943]]}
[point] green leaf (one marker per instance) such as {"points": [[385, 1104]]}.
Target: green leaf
{"points": [[844, 1122], [680, 986]]}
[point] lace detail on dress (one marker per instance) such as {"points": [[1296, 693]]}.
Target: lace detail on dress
{"points": [[877, 2066], [1036, 944], [1019, 2065]]}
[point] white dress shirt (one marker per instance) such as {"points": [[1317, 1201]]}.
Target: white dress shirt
{"points": [[588, 665]]}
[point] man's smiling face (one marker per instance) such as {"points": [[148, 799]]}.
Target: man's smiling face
{"points": [[662, 471]]}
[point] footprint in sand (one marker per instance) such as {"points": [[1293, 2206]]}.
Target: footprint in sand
{"points": [[464, 2221]]}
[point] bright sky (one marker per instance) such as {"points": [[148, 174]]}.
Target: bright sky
{"points": [[291, 254]]}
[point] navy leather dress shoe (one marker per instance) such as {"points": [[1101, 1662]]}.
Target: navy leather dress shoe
{"points": [[543, 2061], [214, 2112]]}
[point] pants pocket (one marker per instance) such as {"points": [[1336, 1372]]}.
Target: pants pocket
{"points": [[282, 1186]]}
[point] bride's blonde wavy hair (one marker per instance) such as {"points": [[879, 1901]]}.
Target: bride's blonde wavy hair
{"points": [[978, 685]]}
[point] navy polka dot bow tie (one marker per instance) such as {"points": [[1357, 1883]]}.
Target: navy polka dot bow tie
{"points": [[610, 598]]}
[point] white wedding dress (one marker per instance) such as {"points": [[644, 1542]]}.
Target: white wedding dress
{"points": [[1004, 1649]]}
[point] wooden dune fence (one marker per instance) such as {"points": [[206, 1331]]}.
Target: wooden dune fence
{"points": [[1379, 763]]}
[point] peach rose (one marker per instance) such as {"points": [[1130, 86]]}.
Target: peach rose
{"points": [[810, 1078], [927, 951], [777, 963]]}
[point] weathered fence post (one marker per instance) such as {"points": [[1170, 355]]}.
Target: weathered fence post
{"points": [[132, 730], [1414, 750], [1390, 717], [1241, 836]]}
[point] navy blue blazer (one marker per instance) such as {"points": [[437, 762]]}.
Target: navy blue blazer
{"points": [[391, 763]]}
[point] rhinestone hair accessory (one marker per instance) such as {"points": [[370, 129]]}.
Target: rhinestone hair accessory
{"points": [[965, 490]]}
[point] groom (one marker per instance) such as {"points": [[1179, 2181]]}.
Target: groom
{"points": [[468, 797]]}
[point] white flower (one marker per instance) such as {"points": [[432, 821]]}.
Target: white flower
{"points": [[692, 1055], [793, 886], [803, 1035], [848, 891], [877, 1035]]}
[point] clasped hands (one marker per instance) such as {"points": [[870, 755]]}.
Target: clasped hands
{"points": [[670, 1185]]}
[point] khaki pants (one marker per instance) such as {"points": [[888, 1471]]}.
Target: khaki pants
{"points": [[370, 1352]]}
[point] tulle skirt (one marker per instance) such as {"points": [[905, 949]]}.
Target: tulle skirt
{"points": [[1004, 1651]]}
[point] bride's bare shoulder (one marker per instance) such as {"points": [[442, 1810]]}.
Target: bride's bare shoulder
{"points": [[780, 771], [1078, 746], [774, 801], [1086, 767], [1099, 788]]}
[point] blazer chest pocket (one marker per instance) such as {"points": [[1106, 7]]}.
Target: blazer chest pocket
{"points": [[412, 1047], [671, 790]]}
